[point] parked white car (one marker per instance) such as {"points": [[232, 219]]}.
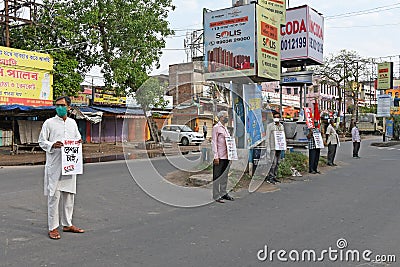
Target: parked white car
{"points": [[181, 134]]}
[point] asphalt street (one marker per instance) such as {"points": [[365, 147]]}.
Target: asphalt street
{"points": [[357, 201]]}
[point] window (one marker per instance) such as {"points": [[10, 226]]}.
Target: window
{"points": [[289, 91], [296, 91]]}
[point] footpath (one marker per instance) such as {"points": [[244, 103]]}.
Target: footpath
{"points": [[94, 153], [104, 152]]}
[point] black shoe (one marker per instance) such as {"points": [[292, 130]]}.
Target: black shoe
{"points": [[329, 164], [270, 181], [314, 172], [220, 200], [333, 164], [276, 180], [228, 197], [318, 172]]}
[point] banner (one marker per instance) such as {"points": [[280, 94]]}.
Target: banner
{"points": [[277, 7], [252, 97], [268, 49], [384, 104], [25, 78], [229, 42], [72, 160], [308, 118], [385, 75]]}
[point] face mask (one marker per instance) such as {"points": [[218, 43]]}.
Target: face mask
{"points": [[61, 111], [276, 119], [225, 120]]}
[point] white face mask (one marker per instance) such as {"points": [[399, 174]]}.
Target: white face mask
{"points": [[276, 119]]}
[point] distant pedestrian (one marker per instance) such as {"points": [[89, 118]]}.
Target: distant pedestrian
{"points": [[221, 162], [205, 130], [59, 189], [313, 151], [332, 139], [275, 151], [356, 138]]}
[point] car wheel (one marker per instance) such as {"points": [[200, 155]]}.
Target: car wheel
{"points": [[185, 141]]}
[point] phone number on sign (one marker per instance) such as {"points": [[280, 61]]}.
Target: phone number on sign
{"points": [[301, 42], [294, 43]]}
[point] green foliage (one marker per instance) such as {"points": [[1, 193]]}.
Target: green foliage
{"points": [[150, 94], [371, 109], [294, 159], [123, 37]]}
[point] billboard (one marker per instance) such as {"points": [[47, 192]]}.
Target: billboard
{"points": [[385, 75], [268, 52], [229, 42], [302, 35], [277, 7], [25, 78], [108, 97]]}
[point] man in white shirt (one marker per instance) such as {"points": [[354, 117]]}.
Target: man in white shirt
{"points": [[356, 138], [332, 139], [59, 189]]}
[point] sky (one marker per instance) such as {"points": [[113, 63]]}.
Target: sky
{"points": [[375, 33]]}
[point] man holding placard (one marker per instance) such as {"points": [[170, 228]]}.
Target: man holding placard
{"points": [[332, 139], [60, 137], [276, 143], [315, 143], [224, 149]]}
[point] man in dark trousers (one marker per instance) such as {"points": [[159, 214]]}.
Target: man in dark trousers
{"points": [[205, 130], [272, 147], [356, 138], [221, 161], [332, 139], [313, 151]]}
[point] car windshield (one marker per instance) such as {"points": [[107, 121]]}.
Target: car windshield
{"points": [[186, 129]]}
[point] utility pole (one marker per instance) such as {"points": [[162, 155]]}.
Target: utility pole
{"points": [[12, 16]]}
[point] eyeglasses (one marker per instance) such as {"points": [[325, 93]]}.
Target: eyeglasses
{"points": [[60, 105]]}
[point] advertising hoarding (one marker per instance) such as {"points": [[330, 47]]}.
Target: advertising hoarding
{"points": [[268, 52], [252, 98], [229, 42], [384, 104], [277, 7], [385, 75], [302, 37], [25, 78]]}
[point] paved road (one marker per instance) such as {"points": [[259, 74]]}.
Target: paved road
{"points": [[358, 200]]}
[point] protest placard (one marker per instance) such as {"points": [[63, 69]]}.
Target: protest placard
{"points": [[319, 142], [72, 160], [231, 147], [280, 140]]}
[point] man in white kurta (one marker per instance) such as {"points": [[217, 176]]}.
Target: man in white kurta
{"points": [[60, 189]]}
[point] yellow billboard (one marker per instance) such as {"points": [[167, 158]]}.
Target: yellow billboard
{"points": [[277, 7], [25, 77], [268, 44], [385, 75]]}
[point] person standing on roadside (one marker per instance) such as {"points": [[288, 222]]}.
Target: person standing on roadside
{"points": [[356, 138], [275, 152], [313, 151], [332, 139], [221, 162], [205, 130], [59, 189]]}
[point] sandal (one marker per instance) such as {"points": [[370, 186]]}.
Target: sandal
{"points": [[73, 229], [54, 234]]}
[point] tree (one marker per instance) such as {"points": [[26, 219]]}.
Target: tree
{"points": [[124, 37], [344, 70], [48, 34]]}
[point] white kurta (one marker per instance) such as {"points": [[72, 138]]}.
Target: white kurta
{"points": [[53, 130]]}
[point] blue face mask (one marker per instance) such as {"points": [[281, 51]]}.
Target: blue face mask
{"points": [[61, 111], [225, 120]]}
